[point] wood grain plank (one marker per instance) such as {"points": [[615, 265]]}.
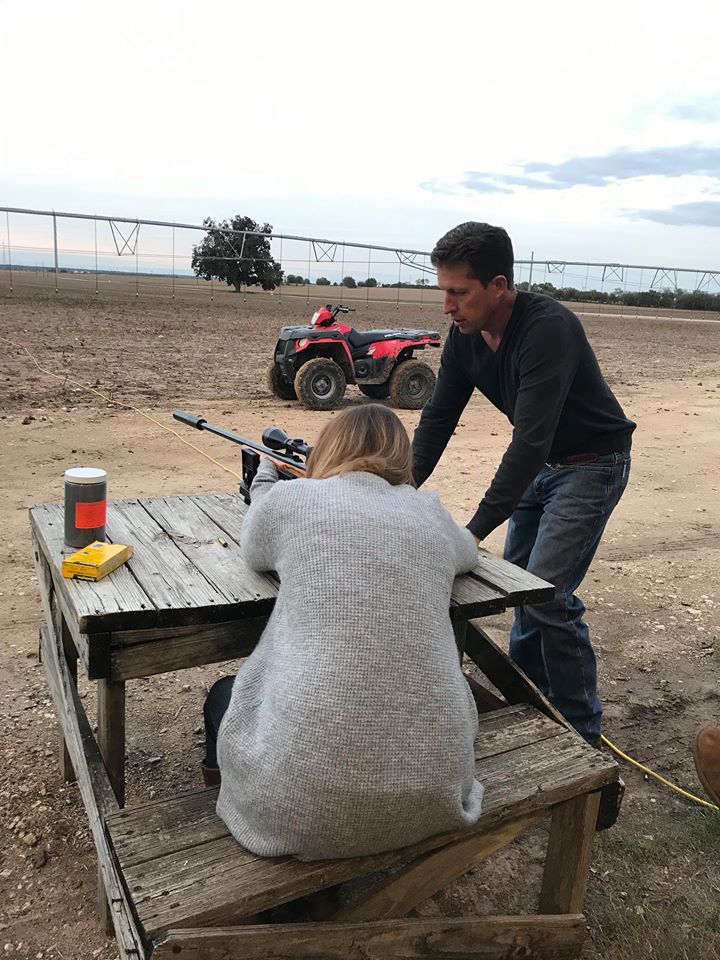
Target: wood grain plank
{"points": [[176, 823], [176, 648], [472, 598], [501, 731], [485, 699], [94, 785], [473, 594], [183, 886], [118, 599], [490, 938], [567, 863], [505, 675], [160, 567], [228, 510], [422, 879], [200, 539], [111, 733], [518, 586]]}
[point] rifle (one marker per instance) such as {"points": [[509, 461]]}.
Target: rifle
{"points": [[286, 453]]}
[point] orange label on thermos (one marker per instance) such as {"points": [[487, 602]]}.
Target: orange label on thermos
{"points": [[89, 516]]}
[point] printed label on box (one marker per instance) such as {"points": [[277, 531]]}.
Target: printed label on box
{"points": [[89, 516]]}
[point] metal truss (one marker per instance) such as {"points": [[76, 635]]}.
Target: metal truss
{"points": [[129, 243], [613, 271], [661, 273], [323, 250], [126, 231], [409, 259]]}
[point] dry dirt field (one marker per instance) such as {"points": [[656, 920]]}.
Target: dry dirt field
{"points": [[651, 594]]}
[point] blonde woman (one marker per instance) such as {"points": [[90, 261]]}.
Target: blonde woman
{"points": [[350, 728]]}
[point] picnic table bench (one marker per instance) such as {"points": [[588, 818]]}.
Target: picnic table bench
{"points": [[174, 883]]}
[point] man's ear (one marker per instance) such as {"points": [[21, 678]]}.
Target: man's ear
{"points": [[499, 285]]}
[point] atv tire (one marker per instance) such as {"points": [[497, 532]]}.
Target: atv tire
{"points": [[411, 385], [320, 384], [376, 391], [277, 386]]}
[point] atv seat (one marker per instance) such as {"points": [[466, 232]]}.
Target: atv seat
{"points": [[358, 339]]}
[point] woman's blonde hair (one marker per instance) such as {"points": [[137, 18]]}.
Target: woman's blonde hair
{"points": [[370, 438]]}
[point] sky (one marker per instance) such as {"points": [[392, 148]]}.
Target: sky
{"points": [[589, 130]]}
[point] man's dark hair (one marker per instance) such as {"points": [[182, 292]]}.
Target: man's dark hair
{"points": [[487, 251]]}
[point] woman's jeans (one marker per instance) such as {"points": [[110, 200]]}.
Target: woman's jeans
{"points": [[216, 703], [554, 533]]}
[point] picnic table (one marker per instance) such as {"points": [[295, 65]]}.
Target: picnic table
{"points": [[187, 598]]}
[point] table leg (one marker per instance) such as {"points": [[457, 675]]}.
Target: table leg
{"points": [[567, 862], [111, 740], [71, 659], [460, 630], [111, 732]]}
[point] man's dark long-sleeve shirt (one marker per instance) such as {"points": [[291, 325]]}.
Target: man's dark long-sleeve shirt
{"points": [[545, 378]]}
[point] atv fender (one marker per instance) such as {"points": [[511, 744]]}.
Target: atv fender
{"points": [[332, 348]]}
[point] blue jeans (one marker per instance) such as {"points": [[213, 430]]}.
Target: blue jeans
{"points": [[554, 533]]}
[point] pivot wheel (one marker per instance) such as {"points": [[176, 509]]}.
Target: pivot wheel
{"points": [[376, 391], [320, 384], [411, 385], [278, 386]]}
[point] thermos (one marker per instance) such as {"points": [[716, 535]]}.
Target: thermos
{"points": [[85, 505]]}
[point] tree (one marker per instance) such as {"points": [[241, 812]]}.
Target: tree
{"points": [[322, 282], [293, 278], [236, 259], [349, 282], [370, 282]]}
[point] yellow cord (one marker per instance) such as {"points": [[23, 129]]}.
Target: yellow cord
{"points": [[129, 406], [651, 773]]}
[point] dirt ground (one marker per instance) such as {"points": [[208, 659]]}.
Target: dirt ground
{"points": [[651, 593]]}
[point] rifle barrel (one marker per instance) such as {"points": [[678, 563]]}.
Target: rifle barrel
{"points": [[192, 420]]}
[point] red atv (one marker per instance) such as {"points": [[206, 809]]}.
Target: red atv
{"points": [[315, 363]]}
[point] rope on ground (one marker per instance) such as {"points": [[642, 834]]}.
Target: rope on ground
{"points": [[667, 783], [128, 406], [66, 378]]}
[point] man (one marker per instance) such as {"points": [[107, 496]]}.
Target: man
{"points": [[566, 466]]}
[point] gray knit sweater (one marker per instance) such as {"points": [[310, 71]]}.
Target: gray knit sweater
{"points": [[350, 729]]}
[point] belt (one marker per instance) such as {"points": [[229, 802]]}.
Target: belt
{"points": [[617, 445], [579, 458]]}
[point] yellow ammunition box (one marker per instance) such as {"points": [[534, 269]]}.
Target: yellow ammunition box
{"points": [[95, 561]]}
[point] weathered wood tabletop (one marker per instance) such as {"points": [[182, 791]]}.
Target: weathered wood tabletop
{"points": [[187, 597]]}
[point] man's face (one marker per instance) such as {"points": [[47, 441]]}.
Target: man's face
{"points": [[468, 303]]}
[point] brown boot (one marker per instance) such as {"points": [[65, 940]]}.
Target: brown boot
{"points": [[706, 751], [211, 775]]}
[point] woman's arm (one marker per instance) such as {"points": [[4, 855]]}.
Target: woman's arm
{"points": [[260, 536], [463, 545]]}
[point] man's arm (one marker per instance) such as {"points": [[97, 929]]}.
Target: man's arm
{"points": [[548, 363], [440, 416]]}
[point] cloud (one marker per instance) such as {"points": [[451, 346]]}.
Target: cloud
{"points": [[702, 213], [701, 110], [594, 171]]}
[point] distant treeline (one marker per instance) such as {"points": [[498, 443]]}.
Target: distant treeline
{"points": [[679, 299], [668, 298]]}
